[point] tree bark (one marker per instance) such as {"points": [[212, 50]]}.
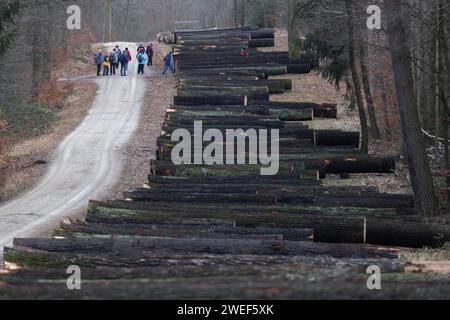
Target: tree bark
{"points": [[444, 78], [375, 129], [356, 81], [203, 246], [243, 13], [422, 182]]}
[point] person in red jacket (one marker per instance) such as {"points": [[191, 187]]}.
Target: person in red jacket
{"points": [[150, 54], [129, 54], [244, 52]]}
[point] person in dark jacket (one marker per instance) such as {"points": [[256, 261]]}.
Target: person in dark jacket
{"points": [[140, 48], [124, 60], [150, 54], [98, 60], [119, 54], [112, 62]]}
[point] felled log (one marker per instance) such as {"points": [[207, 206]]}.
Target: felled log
{"points": [[322, 138], [167, 169], [211, 100], [216, 49], [219, 78], [224, 129], [206, 66], [217, 37], [291, 142], [375, 231], [184, 231], [312, 61], [261, 43], [320, 198], [227, 209], [297, 266], [221, 121], [215, 72], [320, 111], [259, 94], [223, 90], [275, 119], [272, 70], [252, 189], [220, 112], [368, 230], [274, 86], [250, 180], [48, 265], [235, 59], [332, 138], [289, 286], [229, 117], [263, 34], [215, 42], [354, 164], [286, 287], [202, 246], [256, 58], [255, 196], [257, 110], [298, 68], [166, 144], [292, 115], [248, 219], [287, 153], [206, 32]]}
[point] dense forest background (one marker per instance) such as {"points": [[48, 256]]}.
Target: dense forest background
{"points": [[396, 78]]}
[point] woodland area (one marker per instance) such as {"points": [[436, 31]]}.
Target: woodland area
{"points": [[200, 228], [409, 53], [35, 43], [396, 77]]}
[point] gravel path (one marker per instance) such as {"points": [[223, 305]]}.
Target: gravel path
{"points": [[86, 165]]}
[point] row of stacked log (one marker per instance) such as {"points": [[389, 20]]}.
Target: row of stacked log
{"points": [[225, 231]]}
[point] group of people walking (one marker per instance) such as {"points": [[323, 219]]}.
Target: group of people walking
{"points": [[118, 59]]}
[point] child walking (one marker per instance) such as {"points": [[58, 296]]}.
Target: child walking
{"points": [[106, 67]]}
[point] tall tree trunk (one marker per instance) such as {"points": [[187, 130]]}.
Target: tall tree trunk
{"points": [[235, 13], [356, 81], [422, 182], [36, 55], [444, 80], [295, 45], [375, 129], [243, 12], [109, 18], [387, 125], [127, 13]]}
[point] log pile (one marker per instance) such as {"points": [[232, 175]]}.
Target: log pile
{"points": [[239, 234]]}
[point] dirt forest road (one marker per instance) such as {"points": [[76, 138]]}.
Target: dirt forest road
{"points": [[86, 164]]}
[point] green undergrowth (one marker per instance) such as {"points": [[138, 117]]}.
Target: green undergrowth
{"points": [[31, 120]]}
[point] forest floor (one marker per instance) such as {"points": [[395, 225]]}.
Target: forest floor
{"points": [[314, 88], [103, 125]]}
